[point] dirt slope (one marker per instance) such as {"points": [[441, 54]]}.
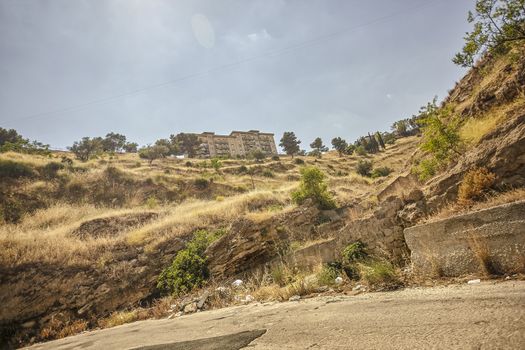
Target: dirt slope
{"points": [[487, 315]]}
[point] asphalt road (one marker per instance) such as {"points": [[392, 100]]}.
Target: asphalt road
{"points": [[484, 316]]}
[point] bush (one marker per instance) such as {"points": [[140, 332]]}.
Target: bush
{"points": [[360, 151], [201, 183], [51, 169], [242, 169], [267, 173], [379, 274], [381, 172], [152, 202], [328, 274], [189, 269], [276, 158], [363, 167], [474, 184], [350, 256], [313, 187], [14, 170], [426, 168], [299, 161], [188, 164]]}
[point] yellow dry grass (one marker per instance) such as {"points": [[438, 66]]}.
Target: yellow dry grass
{"points": [[475, 128]]}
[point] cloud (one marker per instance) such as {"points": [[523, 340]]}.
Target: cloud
{"points": [[389, 96]]}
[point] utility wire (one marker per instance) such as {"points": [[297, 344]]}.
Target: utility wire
{"points": [[224, 67]]}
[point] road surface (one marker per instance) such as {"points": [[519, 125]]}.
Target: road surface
{"points": [[490, 315]]}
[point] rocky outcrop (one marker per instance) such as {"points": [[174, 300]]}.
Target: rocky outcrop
{"points": [[249, 245], [502, 152], [490, 241], [35, 296]]}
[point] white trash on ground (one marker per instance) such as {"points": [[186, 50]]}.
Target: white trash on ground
{"points": [[476, 281], [237, 283]]}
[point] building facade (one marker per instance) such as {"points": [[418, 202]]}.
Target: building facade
{"points": [[237, 144]]}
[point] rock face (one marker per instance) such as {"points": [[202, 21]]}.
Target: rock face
{"points": [[488, 241], [41, 294], [501, 152]]}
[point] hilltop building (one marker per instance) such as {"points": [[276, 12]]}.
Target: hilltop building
{"points": [[237, 144]]}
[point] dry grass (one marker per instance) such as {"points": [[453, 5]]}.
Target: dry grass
{"points": [[473, 130], [487, 202]]}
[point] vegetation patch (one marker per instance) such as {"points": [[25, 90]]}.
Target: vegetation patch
{"points": [[189, 269], [313, 187], [474, 185]]}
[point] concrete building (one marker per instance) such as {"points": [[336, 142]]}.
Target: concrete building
{"points": [[237, 144]]}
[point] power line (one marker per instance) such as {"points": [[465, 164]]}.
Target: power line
{"points": [[223, 67]]}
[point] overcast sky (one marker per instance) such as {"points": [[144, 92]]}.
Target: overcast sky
{"points": [[150, 68]]}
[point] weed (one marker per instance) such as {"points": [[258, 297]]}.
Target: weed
{"points": [[474, 184]]}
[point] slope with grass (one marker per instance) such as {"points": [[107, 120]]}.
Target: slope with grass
{"points": [[100, 232]]}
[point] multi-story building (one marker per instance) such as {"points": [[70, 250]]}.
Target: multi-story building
{"points": [[237, 144]]}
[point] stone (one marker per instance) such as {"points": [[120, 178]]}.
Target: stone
{"points": [[190, 308], [202, 300], [237, 283], [476, 281], [294, 298], [338, 280]]}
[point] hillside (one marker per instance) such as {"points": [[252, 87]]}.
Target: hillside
{"points": [[83, 243]]}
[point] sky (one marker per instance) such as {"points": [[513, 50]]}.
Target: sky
{"points": [[151, 68]]}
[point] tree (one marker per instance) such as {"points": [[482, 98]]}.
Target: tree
{"points": [[173, 148], [318, 147], [313, 187], [290, 143], [441, 140], [10, 136], [340, 145], [379, 140], [258, 155], [400, 128], [497, 24], [131, 147], [153, 152], [113, 142], [373, 146], [11, 140], [86, 148], [186, 143]]}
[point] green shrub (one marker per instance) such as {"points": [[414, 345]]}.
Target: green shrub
{"points": [[299, 161], [201, 183], [328, 274], [426, 168], [276, 158], [360, 151], [350, 256], [189, 164], [363, 167], [242, 169], [313, 187], [267, 173], [189, 269], [14, 170], [379, 274], [381, 172]]}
